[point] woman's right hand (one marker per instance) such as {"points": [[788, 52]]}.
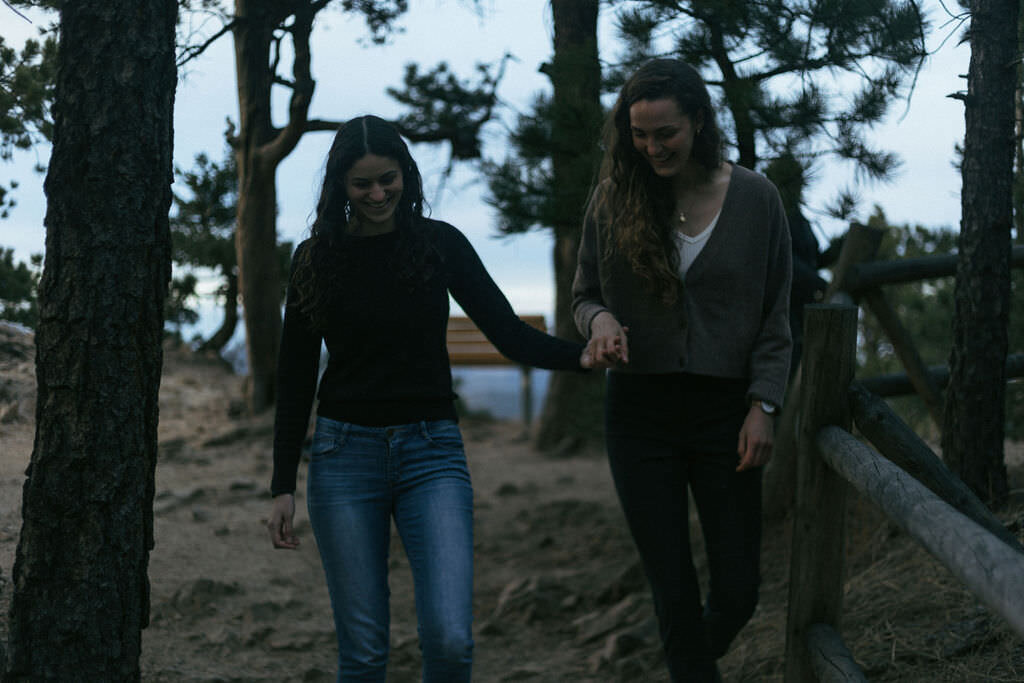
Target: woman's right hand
{"points": [[608, 343], [282, 534]]}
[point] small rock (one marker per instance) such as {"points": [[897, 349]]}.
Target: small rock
{"points": [[595, 625], [523, 673], [622, 644], [629, 580], [508, 489], [9, 413]]}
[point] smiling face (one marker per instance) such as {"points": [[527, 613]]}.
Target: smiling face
{"points": [[374, 185], [662, 135]]}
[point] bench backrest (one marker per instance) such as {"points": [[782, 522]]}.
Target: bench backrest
{"points": [[467, 345]]}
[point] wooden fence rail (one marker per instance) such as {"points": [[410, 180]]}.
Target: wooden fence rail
{"points": [[871, 274], [991, 569], [859, 279], [898, 384], [961, 534], [830, 660]]}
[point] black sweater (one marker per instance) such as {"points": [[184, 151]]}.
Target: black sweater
{"points": [[386, 339]]}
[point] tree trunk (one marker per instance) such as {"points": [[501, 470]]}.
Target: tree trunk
{"points": [[258, 275], [256, 236], [259, 149], [1018, 146], [81, 592], [223, 335], [739, 95], [573, 407], [972, 438]]}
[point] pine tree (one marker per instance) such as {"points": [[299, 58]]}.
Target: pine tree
{"points": [[546, 185], [26, 95], [81, 591], [783, 69], [260, 29], [18, 283], [974, 420]]}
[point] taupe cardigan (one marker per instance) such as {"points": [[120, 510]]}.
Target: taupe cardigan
{"points": [[732, 318]]}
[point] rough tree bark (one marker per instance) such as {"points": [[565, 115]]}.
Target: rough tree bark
{"points": [[972, 436], [573, 407], [81, 593]]}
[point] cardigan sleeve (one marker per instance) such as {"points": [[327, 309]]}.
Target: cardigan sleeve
{"points": [[587, 298], [770, 355]]}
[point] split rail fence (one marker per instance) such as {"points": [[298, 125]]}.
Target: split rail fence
{"points": [[904, 477], [906, 480]]}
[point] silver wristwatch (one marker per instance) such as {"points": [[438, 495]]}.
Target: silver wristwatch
{"points": [[768, 407]]}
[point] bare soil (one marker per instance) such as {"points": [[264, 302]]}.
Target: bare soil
{"points": [[559, 595]]}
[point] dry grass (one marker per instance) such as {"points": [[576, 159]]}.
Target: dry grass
{"points": [[905, 617]]}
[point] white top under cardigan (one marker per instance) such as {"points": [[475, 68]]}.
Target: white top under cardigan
{"points": [[690, 246], [732, 319]]}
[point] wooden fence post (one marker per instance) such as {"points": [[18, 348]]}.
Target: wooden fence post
{"points": [[907, 352], [859, 246], [819, 535]]}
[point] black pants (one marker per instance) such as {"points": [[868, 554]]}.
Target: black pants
{"points": [[653, 423]]}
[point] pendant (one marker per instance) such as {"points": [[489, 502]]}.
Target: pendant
{"points": [[682, 217]]}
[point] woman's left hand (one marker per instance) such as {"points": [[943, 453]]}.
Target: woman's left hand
{"points": [[588, 361], [756, 439]]}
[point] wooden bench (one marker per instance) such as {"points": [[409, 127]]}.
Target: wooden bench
{"points": [[468, 346]]}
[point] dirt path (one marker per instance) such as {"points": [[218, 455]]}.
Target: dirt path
{"points": [[559, 595]]}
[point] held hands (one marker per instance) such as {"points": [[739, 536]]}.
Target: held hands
{"points": [[608, 346], [282, 534], [756, 439]]}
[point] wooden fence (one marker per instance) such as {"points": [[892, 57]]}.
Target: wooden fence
{"points": [[907, 481], [859, 279]]}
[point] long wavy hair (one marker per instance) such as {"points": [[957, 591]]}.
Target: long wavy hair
{"points": [[323, 257], [637, 202]]}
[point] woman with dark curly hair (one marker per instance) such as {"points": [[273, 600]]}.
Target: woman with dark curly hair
{"points": [[372, 282], [683, 281]]}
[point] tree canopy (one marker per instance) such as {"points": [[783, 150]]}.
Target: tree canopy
{"points": [[27, 79], [808, 76]]}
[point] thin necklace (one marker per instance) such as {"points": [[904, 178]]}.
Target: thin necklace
{"points": [[682, 213]]}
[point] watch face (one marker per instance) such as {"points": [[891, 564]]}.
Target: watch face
{"points": [[768, 408]]}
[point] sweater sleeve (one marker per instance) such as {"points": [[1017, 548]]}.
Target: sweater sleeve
{"points": [[298, 365], [587, 300], [770, 356], [478, 295]]}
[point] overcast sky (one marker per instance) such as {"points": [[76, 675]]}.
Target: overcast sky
{"points": [[351, 80]]}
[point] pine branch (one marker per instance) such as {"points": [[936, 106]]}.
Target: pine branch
{"points": [[313, 125], [15, 10], [302, 86], [190, 52]]}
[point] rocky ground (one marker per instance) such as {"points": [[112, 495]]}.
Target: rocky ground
{"points": [[559, 595]]}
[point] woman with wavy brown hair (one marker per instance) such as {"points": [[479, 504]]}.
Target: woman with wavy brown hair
{"points": [[683, 282], [372, 283]]}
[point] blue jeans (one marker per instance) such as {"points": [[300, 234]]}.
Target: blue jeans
{"points": [[361, 477]]}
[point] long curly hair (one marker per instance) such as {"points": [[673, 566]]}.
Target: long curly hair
{"points": [[637, 202], [323, 257]]}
